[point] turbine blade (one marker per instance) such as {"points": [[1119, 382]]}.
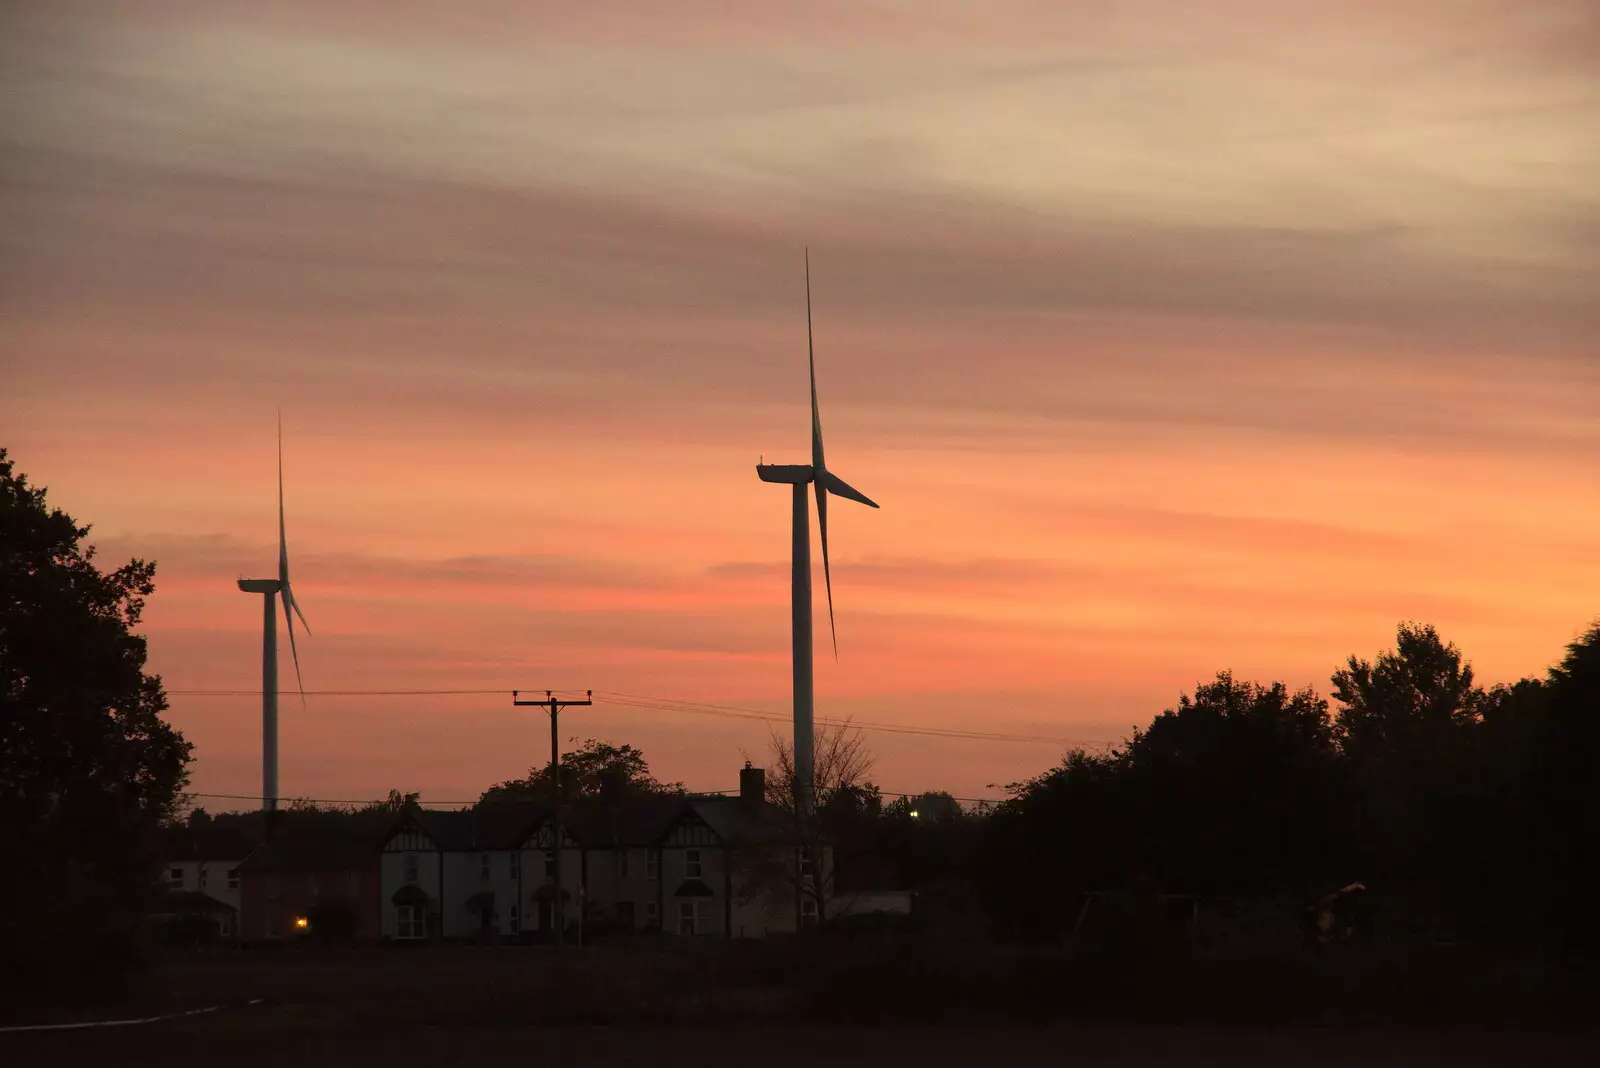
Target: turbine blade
{"points": [[283, 543], [288, 599], [840, 488], [827, 576], [295, 604], [811, 354]]}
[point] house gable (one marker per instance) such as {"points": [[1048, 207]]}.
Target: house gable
{"points": [[408, 837], [691, 831], [544, 837]]}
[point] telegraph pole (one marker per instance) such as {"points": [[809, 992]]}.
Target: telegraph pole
{"points": [[554, 705]]}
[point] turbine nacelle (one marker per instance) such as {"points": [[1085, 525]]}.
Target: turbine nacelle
{"points": [[267, 586], [786, 474]]}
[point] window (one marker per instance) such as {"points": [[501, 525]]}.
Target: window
{"points": [[691, 864], [549, 864], [202, 876], [652, 914], [411, 867], [409, 922], [808, 911], [805, 862], [515, 921], [652, 865], [233, 878], [622, 863], [516, 866], [686, 918], [625, 912], [483, 868], [175, 877]]}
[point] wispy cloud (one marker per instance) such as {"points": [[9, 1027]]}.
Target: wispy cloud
{"points": [[1171, 338]]}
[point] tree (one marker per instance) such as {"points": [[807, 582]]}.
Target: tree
{"points": [[841, 763], [595, 771], [1059, 836], [1237, 790], [1408, 728], [89, 770], [1563, 766]]}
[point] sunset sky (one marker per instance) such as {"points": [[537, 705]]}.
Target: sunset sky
{"points": [[1171, 337]]}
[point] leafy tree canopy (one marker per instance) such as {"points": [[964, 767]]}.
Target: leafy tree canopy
{"points": [[595, 771], [88, 768]]}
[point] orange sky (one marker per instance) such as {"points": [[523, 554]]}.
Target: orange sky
{"points": [[1174, 339]]}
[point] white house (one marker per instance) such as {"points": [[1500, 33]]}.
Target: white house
{"points": [[205, 861], [712, 867], [455, 875]]}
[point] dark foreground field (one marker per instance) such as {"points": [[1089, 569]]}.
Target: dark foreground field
{"points": [[219, 1042], [766, 1006]]}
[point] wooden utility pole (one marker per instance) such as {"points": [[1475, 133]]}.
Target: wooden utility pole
{"points": [[554, 705]]}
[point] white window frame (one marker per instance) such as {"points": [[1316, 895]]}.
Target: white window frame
{"points": [[622, 863], [484, 874], [549, 863], [652, 913], [410, 923], [693, 864], [233, 878], [652, 864], [688, 914], [808, 911], [202, 876], [412, 871]]}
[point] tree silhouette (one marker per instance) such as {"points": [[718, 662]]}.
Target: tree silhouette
{"points": [[595, 771], [88, 768], [842, 797], [1407, 729]]}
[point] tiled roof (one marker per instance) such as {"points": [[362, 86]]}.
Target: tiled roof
{"points": [[179, 901], [736, 821], [314, 853], [492, 826], [205, 843], [593, 824]]}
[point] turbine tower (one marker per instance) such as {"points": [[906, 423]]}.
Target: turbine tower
{"points": [[270, 589], [825, 482]]}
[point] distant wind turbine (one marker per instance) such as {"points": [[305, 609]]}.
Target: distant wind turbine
{"points": [[825, 482], [273, 588]]}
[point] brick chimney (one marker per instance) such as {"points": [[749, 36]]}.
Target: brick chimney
{"points": [[752, 785]]}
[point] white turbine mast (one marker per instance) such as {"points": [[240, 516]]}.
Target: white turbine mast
{"points": [[271, 589], [824, 482]]}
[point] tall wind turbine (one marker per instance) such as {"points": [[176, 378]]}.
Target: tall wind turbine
{"points": [[270, 589], [825, 482]]}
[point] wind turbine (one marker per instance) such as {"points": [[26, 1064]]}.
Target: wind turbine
{"points": [[825, 482], [270, 589]]}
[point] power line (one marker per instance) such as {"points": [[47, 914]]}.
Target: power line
{"points": [[690, 794], [700, 708]]}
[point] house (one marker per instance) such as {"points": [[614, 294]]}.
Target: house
{"points": [[320, 885], [202, 863], [713, 867], [190, 918], [458, 875], [733, 866]]}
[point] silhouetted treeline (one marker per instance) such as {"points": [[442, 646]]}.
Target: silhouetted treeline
{"points": [[1463, 811]]}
